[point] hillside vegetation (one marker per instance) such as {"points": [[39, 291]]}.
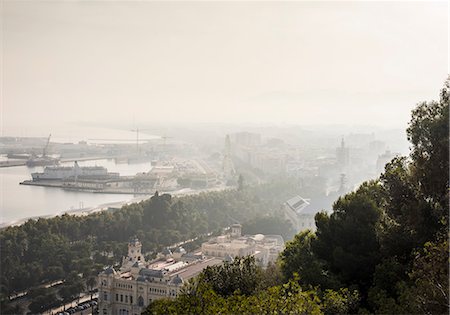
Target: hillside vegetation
{"points": [[76, 248]]}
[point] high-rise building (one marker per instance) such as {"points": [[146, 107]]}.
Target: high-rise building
{"points": [[227, 165], [342, 155]]}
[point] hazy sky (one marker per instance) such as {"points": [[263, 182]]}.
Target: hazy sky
{"points": [[294, 62]]}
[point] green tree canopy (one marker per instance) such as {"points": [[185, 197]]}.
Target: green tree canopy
{"points": [[389, 237], [347, 240]]}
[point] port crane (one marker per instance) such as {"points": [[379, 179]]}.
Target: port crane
{"points": [[165, 140], [44, 159], [137, 130], [44, 151]]}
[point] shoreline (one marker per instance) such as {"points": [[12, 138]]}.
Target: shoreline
{"points": [[77, 212]]}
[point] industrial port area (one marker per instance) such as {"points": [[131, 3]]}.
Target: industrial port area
{"points": [[167, 166]]}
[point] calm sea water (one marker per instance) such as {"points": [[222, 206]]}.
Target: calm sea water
{"points": [[73, 133], [21, 201]]}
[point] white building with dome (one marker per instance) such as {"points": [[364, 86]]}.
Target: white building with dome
{"points": [[265, 248]]}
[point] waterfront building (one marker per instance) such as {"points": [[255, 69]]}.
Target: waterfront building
{"points": [[130, 289], [82, 184]]}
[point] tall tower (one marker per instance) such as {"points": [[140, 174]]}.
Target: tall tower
{"points": [[227, 166], [342, 183], [342, 155], [134, 254], [134, 250], [236, 230]]}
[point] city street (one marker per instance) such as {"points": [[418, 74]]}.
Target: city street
{"points": [[83, 298]]}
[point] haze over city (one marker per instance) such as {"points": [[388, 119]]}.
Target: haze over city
{"points": [[363, 63], [224, 157]]}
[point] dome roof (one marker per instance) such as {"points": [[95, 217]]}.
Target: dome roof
{"points": [[110, 271], [133, 241], [177, 280], [228, 259], [258, 237], [180, 250]]}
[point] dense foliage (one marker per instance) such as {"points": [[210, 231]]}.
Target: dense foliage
{"points": [[269, 225], [241, 287], [47, 250], [388, 239]]}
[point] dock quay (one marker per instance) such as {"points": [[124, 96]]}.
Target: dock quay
{"points": [[11, 163], [79, 159]]}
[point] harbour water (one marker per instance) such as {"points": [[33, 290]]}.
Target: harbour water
{"points": [[18, 202]]}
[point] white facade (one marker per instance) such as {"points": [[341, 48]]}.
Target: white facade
{"points": [[265, 248], [294, 212], [230, 247], [131, 289]]}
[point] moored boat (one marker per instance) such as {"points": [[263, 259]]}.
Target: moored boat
{"points": [[65, 172]]}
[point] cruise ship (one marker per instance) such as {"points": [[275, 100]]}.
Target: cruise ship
{"points": [[66, 172]]}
